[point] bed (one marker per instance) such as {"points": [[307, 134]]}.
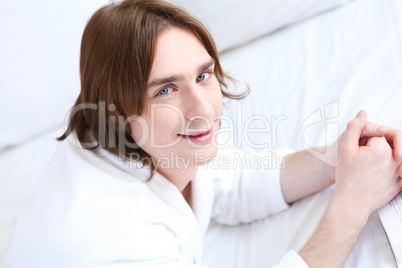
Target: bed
{"points": [[310, 65]]}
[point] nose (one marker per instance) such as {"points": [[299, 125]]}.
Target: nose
{"points": [[197, 104]]}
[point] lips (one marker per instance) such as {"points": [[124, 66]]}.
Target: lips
{"points": [[198, 137]]}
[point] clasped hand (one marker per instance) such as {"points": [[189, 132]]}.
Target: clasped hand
{"points": [[369, 170]]}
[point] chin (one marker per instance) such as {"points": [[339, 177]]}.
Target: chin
{"points": [[204, 157]]}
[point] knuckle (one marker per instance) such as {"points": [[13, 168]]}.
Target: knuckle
{"points": [[384, 150], [351, 124]]}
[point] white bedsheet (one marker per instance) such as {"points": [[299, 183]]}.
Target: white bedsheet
{"points": [[318, 74], [350, 57], [345, 60]]}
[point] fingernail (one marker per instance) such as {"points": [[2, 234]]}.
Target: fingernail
{"points": [[381, 128], [359, 114]]}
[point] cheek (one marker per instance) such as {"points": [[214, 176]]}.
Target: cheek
{"points": [[160, 128], [218, 104], [167, 121], [140, 130], [216, 98]]}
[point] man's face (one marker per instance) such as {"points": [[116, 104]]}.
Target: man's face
{"points": [[180, 121]]}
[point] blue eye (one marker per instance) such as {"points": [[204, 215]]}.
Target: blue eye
{"points": [[203, 77], [164, 91]]}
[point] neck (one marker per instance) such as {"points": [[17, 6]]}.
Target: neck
{"points": [[179, 176]]}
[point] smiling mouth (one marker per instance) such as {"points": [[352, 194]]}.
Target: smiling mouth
{"points": [[198, 137]]}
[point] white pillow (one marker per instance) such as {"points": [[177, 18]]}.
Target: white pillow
{"points": [[39, 51], [39, 64], [236, 22]]}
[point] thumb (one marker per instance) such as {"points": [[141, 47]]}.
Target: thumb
{"points": [[351, 136]]}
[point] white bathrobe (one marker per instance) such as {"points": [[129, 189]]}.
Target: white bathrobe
{"points": [[98, 211]]}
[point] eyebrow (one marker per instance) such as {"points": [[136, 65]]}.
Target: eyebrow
{"points": [[180, 77]]}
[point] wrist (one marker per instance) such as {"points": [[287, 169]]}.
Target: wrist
{"points": [[349, 208], [328, 163], [328, 173], [335, 236]]}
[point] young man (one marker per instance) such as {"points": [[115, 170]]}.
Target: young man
{"points": [[123, 191]]}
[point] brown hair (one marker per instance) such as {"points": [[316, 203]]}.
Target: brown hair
{"points": [[117, 52]]}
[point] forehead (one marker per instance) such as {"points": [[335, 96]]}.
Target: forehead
{"points": [[178, 51]]}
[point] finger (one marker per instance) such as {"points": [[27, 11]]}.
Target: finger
{"points": [[394, 138], [351, 136], [373, 130], [399, 170], [379, 142], [400, 182]]}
